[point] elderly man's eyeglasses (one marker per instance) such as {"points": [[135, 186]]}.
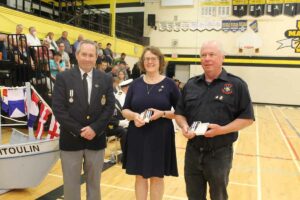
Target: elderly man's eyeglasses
{"points": [[152, 59]]}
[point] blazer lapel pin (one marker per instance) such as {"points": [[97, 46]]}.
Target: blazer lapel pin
{"points": [[103, 100]]}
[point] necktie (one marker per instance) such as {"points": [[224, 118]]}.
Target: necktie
{"points": [[85, 87]]}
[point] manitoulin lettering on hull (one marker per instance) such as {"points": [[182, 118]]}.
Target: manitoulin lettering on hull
{"points": [[19, 150]]}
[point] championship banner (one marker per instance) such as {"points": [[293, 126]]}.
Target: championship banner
{"points": [[257, 7], [239, 8], [274, 7], [162, 26], [292, 7], [214, 8], [234, 25]]}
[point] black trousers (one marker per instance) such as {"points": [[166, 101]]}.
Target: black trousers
{"points": [[119, 132], [207, 167]]}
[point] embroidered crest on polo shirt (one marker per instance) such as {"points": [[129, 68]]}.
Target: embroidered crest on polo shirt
{"points": [[227, 89]]}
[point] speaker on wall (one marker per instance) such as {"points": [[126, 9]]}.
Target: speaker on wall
{"points": [[151, 20]]}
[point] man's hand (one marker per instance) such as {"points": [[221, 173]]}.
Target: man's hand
{"points": [[213, 130], [87, 133], [186, 133]]}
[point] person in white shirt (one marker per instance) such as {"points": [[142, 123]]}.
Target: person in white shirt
{"points": [[32, 39], [121, 95], [118, 125]]}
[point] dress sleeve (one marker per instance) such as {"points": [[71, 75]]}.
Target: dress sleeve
{"points": [[175, 94], [128, 98]]}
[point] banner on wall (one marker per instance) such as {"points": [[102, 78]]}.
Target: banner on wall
{"points": [[292, 7], [215, 8], [239, 8], [274, 7], [254, 26], [234, 25], [207, 25], [257, 7], [292, 39]]}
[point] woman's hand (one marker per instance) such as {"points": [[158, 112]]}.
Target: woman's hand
{"points": [[156, 114], [138, 121]]}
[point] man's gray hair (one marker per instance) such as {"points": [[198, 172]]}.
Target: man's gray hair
{"points": [[215, 43], [86, 42]]}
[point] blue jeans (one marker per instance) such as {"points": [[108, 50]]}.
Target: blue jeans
{"points": [[207, 167]]}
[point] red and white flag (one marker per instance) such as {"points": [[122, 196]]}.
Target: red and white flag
{"points": [[33, 109], [44, 113], [54, 129]]}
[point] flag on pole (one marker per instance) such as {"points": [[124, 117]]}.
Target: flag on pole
{"points": [[33, 109], [13, 102], [54, 129], [44, 113], [4, 100]]}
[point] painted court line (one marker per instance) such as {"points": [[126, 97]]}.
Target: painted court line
{"points": [[132, 190], [288, 143], [242, 184], [264, 156], [290, 123], [258, 166], [55, 175]]}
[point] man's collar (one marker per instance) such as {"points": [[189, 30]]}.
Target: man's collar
{"points": [[222, 76], [90, 73]]}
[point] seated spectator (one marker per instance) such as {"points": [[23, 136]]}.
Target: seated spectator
{"points": [[100, 55], [64, 54], [48, 52], [123, 66], [56, 65], [109, 54], [122, 75], [120, 59], [76, 43], [64, 39], [21, 52], [50, 39], [113, 71], [13, 40], [32, 39], [103, 66]]}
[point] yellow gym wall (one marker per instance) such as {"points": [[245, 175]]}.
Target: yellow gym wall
{"points": [[10, 18]]}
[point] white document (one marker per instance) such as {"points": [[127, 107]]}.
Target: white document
{"points": [[198, 127], [146, 115]]}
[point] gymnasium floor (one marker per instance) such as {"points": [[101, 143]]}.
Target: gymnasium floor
{"points": [[266, 165]]}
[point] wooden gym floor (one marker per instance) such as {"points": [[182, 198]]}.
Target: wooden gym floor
{"points": [[266, 165]]}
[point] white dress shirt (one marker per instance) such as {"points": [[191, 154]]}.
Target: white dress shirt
{"points": [[89, 79]]}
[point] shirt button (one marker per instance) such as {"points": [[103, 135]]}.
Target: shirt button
{"points": [[88, 117]]}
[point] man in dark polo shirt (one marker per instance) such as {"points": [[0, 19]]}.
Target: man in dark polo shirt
{"points": [[222, 100]]}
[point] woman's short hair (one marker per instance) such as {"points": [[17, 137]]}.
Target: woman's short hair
{"points": [[156, 51]]}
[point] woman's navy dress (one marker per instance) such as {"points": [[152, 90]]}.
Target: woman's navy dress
{"points": [[150, 150]]}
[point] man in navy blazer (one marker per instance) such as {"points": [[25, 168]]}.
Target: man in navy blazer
{"points": [[83, 103]]}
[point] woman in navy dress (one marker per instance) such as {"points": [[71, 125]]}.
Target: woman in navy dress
{"points": [[150, 152]]}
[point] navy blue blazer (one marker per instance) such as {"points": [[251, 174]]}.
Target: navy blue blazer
{"points": [[73, 112]]}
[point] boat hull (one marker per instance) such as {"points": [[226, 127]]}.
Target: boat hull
{"points": [[25, 165]]}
